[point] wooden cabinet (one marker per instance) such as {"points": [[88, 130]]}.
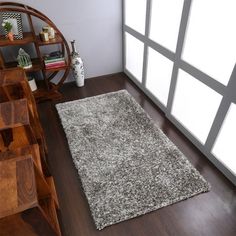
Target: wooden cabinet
{"points": [[28, 199], [47, 89]]}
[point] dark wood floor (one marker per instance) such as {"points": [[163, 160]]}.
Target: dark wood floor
{"points": [[208, 214]]}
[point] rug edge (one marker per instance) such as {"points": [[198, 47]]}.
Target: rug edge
{"points": [[142, 213], [91, 97], [139, 213]]}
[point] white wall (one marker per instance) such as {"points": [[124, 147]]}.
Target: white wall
{"points": [[96, 25]]}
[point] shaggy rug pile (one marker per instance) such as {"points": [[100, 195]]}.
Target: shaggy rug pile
{"points": [[128, 167]]}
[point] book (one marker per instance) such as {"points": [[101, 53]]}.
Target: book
{"points": [[49, 60], [54, 55], [55, 64]]}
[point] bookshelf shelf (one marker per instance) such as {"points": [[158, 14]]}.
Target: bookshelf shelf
{"points": [[28, 37], [56, 40], [35, 65]]}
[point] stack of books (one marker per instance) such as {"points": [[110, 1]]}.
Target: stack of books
{"points": [[54, 61]]}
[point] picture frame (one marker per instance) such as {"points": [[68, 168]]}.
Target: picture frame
{"points": [[16, 20]]}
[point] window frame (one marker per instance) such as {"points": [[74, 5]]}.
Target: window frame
{"points": [[227, 92]]}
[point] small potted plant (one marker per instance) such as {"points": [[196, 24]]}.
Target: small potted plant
{"points": [[7, 25]]}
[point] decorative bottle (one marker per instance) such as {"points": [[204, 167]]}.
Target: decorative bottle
{"points": [[77, 66]]}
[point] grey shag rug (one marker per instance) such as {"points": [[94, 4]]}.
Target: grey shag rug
{"points": [[128, 167]]}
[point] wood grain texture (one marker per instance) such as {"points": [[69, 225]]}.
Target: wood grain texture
{"points": [[48, 206], [18, 226], [17, 181], [17, 124], [51, 183], [15, 84], [8, 188], [13, 114], [26, 199], [26, 189], [11, 77], [19, 138], [40, 224], [32, 150], [210, 214]]}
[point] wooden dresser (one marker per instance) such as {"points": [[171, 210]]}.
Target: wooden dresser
{"points": [[28, 199]]}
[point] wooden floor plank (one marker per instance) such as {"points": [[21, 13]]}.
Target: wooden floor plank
{"points": [[209, 214]]}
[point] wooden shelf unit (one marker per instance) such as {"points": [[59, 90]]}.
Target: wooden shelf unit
{"points": [[28, 198], [49, 91]]}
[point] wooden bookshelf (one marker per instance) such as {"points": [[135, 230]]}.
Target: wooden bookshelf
{"points": [[48, 90]]}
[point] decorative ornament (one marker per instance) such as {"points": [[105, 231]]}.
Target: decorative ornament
{"points": [[51, 32], [44, 36], [77, 66], [23, 59]]}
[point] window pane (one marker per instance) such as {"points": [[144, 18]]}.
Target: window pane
{"points": [[165, 21], [210, 43], [224, 148], [134, 56], [159, 72], [135, 14], [195, 105]]}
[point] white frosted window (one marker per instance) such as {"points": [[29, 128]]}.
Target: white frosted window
{"points": [[225, 148], [165, 22], [135, 14], [195, 105], [210, 42], [159, 72], [134, 56]]}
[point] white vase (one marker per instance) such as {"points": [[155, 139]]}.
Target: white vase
{"points": [[77, 66], [32, 85]]}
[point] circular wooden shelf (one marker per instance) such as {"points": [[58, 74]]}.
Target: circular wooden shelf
{"points": [[49, 90]]}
